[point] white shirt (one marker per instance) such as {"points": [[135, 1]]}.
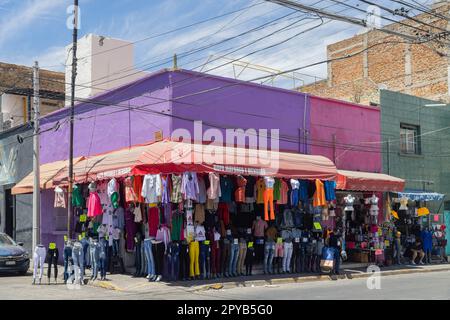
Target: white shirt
{"points": [[151, 188], [295, 184], [200, 234], [112, 187]]}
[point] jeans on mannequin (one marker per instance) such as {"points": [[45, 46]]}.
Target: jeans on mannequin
{"points": [[174, 260], [86, 255], [116, 247], [144, 262], [137, 258], [249, 257], [234, 255], [225, 251], [52, 259], [184, 262], [194, 252], [259, 249], [204, 260], [68, 262], [288, 248], [39, 260], [295, 259], [241, 258], [78, 262], [269, 250], [94, 255], [149, 257], [103, 260], [215, 258]]}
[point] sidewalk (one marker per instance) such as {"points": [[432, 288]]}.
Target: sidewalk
{"points": [[126, 283]]}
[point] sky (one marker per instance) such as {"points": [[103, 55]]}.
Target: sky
{"points": [[37, 30]]}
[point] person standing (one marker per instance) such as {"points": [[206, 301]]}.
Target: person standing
{"points": [[335, 242]]}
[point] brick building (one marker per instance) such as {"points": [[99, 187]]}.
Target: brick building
{"points": [[383, 61]]}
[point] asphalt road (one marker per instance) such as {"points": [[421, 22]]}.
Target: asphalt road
{"points": [[434, 285]]}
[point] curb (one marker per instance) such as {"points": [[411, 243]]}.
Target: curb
{"points": [[259, 283]]}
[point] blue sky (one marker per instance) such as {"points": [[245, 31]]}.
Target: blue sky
{"points": [[36, 29]]}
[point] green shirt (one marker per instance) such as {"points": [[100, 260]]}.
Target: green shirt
{"points": [[177, 227], [77, 198], [276, 190]]}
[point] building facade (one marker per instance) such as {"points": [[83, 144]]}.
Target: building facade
{"points": [[416, 142], [161, 103], [378, 60]]}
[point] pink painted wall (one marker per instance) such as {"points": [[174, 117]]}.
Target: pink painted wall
{"points": [[356, 128]]}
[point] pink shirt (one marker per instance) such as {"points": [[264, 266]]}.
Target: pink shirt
{"points": [[94, 205], [283, 193], [259, 226], [214, 191]]}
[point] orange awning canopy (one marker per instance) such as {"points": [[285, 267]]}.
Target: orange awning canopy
{"points": [[48, 173], [368, 181]]}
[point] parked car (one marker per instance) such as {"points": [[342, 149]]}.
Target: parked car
{"points": [[13, 258]]}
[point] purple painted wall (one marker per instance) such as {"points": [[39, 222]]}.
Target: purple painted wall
{"points": [[355, 126], [227, 103], [108, 124]]}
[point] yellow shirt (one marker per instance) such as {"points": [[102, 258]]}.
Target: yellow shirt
{"points": [[260, 187]]}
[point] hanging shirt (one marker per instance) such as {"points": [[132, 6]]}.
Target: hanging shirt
{"points": [[277, 190], [153, 221], [200, 234], [108, 221], [113, 187], [319, 195], [226, 187], [330, 187], [199, 213], [60, 198], [304, 195], [202, 190], [189, 186], [151, 188], [137, 214], [130, 193], [176, 196], [177, 226], [269, 182], [250, 187], [102, 190], [214, 190], [94, 205], [119, 218], [259, 227], [260, 188], [284, 189], [77, 198], [137, 184], [239, 194], [165, 190]]}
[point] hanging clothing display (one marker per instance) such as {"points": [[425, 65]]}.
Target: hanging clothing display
{"points": [[226, 188], [201, 198], [77, 197], [239, 194], [153, 221], [94, 205], [295, 192], [214, 190], [113, 192], [250, 189], [319, 195], [330, 187], [260, 188], [284, 189], [176, 195], [151, 188], [60, 198], [189, 186], [165, 190], [137, 186], [130, 192]]}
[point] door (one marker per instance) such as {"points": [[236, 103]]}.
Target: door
{"points": [[10, 217]]}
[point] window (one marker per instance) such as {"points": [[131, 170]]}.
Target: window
{"points": [[409, 139]]}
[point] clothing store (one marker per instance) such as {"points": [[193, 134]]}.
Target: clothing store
{"points": [[361, 217], [181, 218], [414, 220]]}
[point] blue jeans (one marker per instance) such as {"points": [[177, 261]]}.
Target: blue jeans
{"points": [[94, 254], [149, 257], [103, 260], [337, 260], [234, 254], [138, 257], [269, 250], [294, 197], [174, 261], [86, 254], [115, 248], [67, 255], [205, 260], [78, 262]]}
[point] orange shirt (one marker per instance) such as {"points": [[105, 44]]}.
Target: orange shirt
{"points": [[239, 194], [319, 195]]}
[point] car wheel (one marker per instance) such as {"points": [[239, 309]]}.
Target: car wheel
{"points": [[23, 273]]}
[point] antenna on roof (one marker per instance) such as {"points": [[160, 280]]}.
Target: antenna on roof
{"points": [[175, 62]]}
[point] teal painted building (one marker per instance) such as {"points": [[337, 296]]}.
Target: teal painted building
{"points": [[416, 143]]}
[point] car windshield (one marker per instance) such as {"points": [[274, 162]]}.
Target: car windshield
{"points": [[6, 240]]}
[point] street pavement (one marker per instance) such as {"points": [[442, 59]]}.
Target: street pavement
{"points": [[420, 285]]}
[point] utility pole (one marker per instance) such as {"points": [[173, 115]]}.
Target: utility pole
{"points": [[36, 168], [72, 107], [388, 155]]}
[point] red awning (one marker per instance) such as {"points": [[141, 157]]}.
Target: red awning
{"points": [[368, 181], [177, 157]]}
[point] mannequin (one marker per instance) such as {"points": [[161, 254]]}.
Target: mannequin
{"points": [[234, 256], [259, 228], [249, 258], [204, 254], [268, 198], [158, 249], [94, 252], [288, 249], [269, 249], [225, 252], [78, 262], [194, 253], [68, 262], [52, 259], [242, 255], [295, 184], [373, 211], [38, 260], [215, 253], [239, 194]]}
